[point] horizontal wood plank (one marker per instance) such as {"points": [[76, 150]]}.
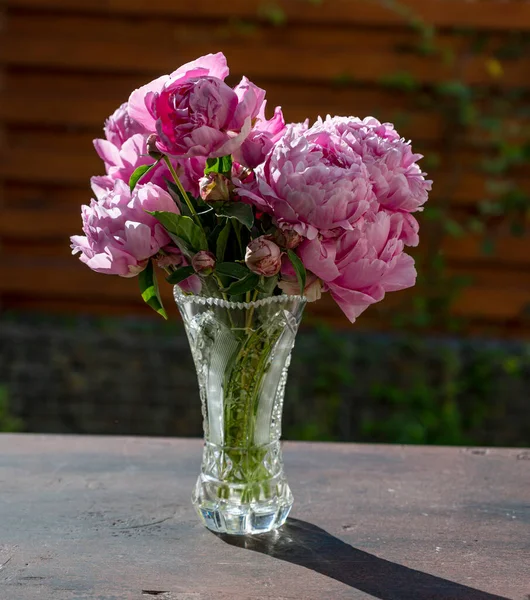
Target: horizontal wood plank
{"points": [[314, 54], [485, 14], [68, 64]]}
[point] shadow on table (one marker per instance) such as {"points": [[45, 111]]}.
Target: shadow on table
{"points": [[307, 545]]}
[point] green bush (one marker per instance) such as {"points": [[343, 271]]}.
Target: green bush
{"points": [[8, 423], [408, 389]]}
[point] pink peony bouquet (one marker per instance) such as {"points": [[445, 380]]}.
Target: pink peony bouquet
{"points": [[233, 205]]}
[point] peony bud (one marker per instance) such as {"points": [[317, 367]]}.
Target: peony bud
{"points": [[215, 187], [287, 238], [203, 262], [152, 150], [263, 256], [170, 260]]}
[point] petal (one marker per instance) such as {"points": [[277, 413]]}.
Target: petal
{"points": [[137, 102], [138, 240], [107, 152], [215, 64]]}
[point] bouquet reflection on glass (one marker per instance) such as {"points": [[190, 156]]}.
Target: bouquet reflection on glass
{"points": [[248, 218]]}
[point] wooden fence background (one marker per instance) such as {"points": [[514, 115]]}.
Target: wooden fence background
{"points": [[65, 65]]}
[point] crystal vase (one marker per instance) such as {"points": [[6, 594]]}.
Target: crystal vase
{"points": [[241, 352]]}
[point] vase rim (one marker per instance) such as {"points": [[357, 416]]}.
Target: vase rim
{"points": [[180, 296]]}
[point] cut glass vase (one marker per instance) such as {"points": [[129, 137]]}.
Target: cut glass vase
{"points": [[241, 353]]}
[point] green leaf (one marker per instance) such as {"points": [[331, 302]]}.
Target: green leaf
{"points": [[184, 228], [221, 165], [237, 210], [138, 174], [243, 285], [149, 289], [299, 270], [234, 270], [222, 241], [180, 274], [267, 285]]}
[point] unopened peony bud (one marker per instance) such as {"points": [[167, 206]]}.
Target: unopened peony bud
{"points": [[287, 238], [152, 150], [215, 187], [263, 257], [203, 262]]}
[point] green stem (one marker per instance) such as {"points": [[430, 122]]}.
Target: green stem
{"points": [[182, 191], [242, 387], [225, 298], [250, 311]]}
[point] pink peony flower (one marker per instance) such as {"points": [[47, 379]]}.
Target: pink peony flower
{"points": [[261, 138], [311, 182], [194, 112], [213, 65], [361, 265], [194, 118], [397, 181], [263, 257], [120, 236]]}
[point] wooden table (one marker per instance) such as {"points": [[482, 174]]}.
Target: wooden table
{"points": [[95, 518]]}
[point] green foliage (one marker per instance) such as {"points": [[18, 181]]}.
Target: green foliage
{"points": [[149, 289], [138, 173], [405, 389], [242, 286], [185, 232], [236, 210], [234, 270], [222, 241], [330, 376], [222, 165], [180, 275], [299, 269], [8, 423]]}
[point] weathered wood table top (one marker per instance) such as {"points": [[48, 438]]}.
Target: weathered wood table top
{"points": [[110, 519]]}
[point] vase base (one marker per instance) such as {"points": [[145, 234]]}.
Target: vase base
{"points": [[235, 518], [249, 522]]}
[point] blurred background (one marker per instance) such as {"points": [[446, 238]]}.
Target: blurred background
{"points": [[445, 363]]}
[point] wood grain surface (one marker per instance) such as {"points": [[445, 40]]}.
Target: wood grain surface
{"points": [[94, 518]]}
